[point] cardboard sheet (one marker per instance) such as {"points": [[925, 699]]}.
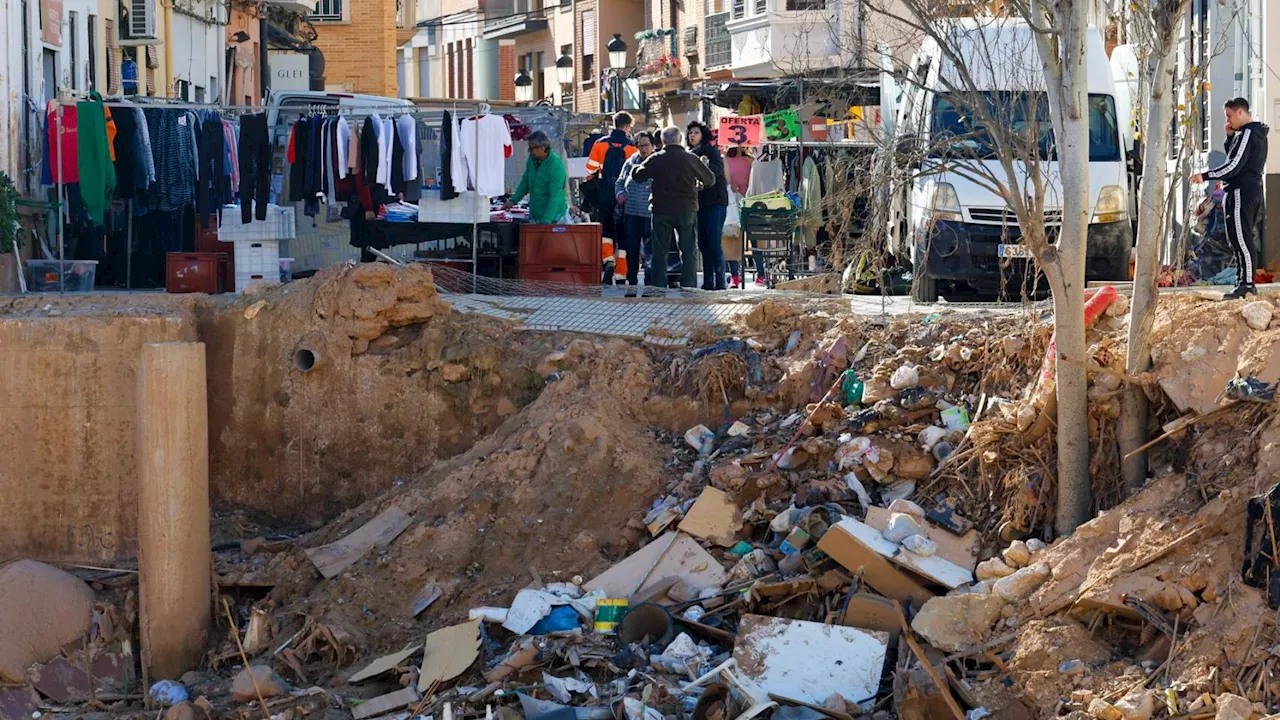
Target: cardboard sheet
{"points": [[384, 663], [713, 517], [859, 547], [448, 652]]}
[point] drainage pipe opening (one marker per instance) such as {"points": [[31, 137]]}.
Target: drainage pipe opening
{"points": [[305, 359]]}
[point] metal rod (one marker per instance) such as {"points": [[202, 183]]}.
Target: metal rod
{"points": [[128, 245], [60, 118]]}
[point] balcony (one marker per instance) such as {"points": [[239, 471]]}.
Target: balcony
{"points": [[658, 63], [299, 7], [719, 43], [518, 18], [771, 38]]}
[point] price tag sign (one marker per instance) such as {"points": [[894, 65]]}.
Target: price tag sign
{"points": [[736, 131], [782, 125]]}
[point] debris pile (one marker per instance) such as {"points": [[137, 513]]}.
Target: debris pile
{"points": [[857, 525]]}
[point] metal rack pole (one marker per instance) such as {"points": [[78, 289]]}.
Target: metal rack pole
{"points": [[59, 118]]}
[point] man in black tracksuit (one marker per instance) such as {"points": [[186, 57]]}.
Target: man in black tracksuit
{"points": [[1241, 177]]}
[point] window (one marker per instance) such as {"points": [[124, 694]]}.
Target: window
{"points": [[739, 9], [183, 90], [566, 4], [200, 94], [328, 11], [1028, 114], [93, 52], [73, 27], [802, 5], [762, 7], [588, 47], [539, 78]]}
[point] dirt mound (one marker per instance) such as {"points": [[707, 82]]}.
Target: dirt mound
{"points": [[550, 493], [330, 389]]}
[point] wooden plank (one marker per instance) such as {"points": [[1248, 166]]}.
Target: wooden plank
{"points": [[384, 663], [861, 549], [713, 517], [335, 557]]}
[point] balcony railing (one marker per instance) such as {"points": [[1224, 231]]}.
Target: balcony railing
{"points": [[719, 42], [657, 57]]}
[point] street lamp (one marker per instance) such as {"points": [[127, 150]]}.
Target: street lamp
{"points": [[564, 70], [617, 52], [524, 87]]}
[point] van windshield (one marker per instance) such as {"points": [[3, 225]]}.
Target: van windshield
{"points": [[956, 132]]}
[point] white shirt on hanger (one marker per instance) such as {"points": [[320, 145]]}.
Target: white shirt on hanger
{"points": [[409, 138], [385, 141], [344, 146], [457, 161], [485, 143]]}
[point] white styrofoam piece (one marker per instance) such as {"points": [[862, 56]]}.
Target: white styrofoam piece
{"points": [[943, 572], [808, 661], [467, 207], [281, 224]]}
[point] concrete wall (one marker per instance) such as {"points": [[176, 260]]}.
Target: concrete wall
{"points": [[67, 432], [360, 52]]}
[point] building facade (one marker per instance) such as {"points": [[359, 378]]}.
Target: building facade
{"points": [[358, 39]]}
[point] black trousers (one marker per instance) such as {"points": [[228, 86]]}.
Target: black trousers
{"points": [[212, 167], [255, 167], [1243, 211]]}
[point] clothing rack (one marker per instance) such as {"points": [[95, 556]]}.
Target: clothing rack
{"points": [[429, 115]]}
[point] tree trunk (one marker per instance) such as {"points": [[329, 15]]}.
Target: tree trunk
{"points": [[1133, 412], [1074, 495]]}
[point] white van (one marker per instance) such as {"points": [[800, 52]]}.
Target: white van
{"points": [[286, 106], [954, 227]]}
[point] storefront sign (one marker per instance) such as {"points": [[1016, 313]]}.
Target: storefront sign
{"points": [[290, 71], [737, 131], [51, 22], [782, 125]]}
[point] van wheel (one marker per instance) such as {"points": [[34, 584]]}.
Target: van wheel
{"points": [[925, 287]]}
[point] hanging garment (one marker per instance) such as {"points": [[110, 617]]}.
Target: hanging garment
{"points": [[408, 134], [766, 177], [297, 153], [344, 145], [173, 149], [397, 159], [448, 132], [810, 203], [353, 152], [132, 156], [97, 173], [386, 140], [233, 154], [413, 188], [485, 143], [212, 154], [63, 137], [255, 166]]}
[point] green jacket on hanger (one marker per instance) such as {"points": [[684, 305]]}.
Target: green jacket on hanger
{"points": [[97, 173]]}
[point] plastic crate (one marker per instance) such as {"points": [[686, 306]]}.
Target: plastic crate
{"points": [[561, 245], [200, 272], [565, 275], [281, 224], [257, 261], [76, 275]]}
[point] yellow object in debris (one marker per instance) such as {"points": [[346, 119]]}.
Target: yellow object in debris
{"points": [[609, 613]]}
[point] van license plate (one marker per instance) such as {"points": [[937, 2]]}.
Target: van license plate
{"points": [[1014, 251]]}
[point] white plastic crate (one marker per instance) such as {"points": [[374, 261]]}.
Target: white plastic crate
{"points": [[468, 207], [256, 261], [281, 224]]}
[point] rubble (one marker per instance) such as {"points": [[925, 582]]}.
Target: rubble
{"points": [[42, 609], [958, 622]]}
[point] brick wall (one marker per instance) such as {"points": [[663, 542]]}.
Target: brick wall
{"points": [[361, 53], [587, 97], [506, 71]]}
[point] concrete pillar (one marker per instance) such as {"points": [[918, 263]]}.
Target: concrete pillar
{"points": [[173, 507]]}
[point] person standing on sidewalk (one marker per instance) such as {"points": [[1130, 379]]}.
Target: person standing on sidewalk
{"points": [[713, 207], [676, 175], [604, 164], [1241, 177], [637, 224]]}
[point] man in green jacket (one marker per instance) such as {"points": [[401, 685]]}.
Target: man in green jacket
{"points": [[544, 182]]}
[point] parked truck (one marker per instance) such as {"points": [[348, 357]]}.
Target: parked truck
{"points": [[950, 222]]}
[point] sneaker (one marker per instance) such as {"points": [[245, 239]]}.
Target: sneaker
{"points": [[1241, 291], [631, 292], [734, 282], [760, 281]]}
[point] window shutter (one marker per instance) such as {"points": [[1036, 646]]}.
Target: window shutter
{"points": [[589, 42], [142, 19]]}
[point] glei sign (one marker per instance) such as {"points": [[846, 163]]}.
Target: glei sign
{"points": [[290, 71]]}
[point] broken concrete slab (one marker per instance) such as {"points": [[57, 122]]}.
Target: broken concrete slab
{"points": [[958, 622], [384, 664], [1022, 583], [674, 555], [42, 609], [860, 548], [448, 652], [808, 661], [335, 557], [713, 517]]}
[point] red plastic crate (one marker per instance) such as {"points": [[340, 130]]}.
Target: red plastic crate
{"points": [[565, 275], [201, 272], [560, 245]]}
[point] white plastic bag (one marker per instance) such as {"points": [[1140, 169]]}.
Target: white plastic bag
{"points": [[731, 224]]}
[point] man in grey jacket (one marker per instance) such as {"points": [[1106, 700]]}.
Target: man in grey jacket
{"points": [[676, 175]]}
